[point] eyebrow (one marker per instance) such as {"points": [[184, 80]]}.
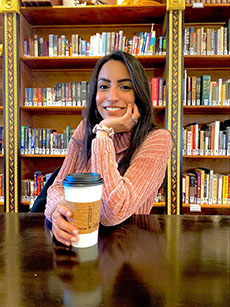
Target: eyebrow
{"points": [[119, 81]]}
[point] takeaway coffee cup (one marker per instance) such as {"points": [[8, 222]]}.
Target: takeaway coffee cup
{"points": [[83, 197]]}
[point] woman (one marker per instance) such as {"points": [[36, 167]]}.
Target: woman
{"points": [[119, 141]]}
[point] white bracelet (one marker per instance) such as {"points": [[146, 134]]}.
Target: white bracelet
{"points": [[109, 131]]}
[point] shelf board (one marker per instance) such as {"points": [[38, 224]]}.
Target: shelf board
{"points": [[160, 204], [205, 157], [206, 109], [42, 156], [65, 110], [215, 206], [207, 61], [58, 110], [86, 62], [95, 15], [209, 13]]}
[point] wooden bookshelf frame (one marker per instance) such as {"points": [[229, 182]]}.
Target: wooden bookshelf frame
{"points": [[164, 14]]}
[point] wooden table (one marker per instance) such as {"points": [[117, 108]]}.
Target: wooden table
{"points": [[146, 261]]}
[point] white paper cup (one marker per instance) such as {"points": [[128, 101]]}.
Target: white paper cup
{"points": [[83, 197]]}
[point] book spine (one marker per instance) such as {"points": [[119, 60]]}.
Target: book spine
{"points": [[198, 199], [193, 91], [206, 189], [205, 90], [192, 188], [23, 139], [228, 189], [35, 97], [214, 189], [228, 141], [155, 87], [186, 189], [183, 188], [189, 91], [160, 91], [189, 142], [83, 88], [185, 88], [225, 190], [220, 189], [39, 93], [202, 143], [44, 97]]}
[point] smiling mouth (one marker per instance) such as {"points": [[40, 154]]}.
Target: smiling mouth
{"points": [[113, 108]]}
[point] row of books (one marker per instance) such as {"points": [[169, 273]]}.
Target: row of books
{"points": [[1, 187], [76, 94], [45, 141], [62, 94], [207, 41], [100, 44], [1, 140], [31, 188], [210, 139], [203, 91], [203, 186], [158, 91]]}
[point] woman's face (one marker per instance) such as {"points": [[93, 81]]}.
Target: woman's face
{"points": [[114, 90]]}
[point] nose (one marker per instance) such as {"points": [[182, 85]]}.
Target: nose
{"points": [[112, 94]]}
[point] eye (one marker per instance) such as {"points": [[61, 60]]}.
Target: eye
{"points": [[126, 87], [103, 86]]}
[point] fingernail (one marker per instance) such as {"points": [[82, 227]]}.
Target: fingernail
{"points": [[75, 232], [68, 213], [74, 239]]}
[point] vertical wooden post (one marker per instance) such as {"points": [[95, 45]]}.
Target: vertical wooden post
{"points": [[174, 97], [11, 104]]}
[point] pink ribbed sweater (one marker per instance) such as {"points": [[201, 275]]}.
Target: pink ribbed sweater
{"points": [[122, 196]]}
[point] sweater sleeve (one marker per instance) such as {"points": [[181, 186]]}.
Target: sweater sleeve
{"points": [[124, 195], [55, 193]]}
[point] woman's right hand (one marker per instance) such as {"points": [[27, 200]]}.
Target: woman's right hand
{"points": [[63, 231], [124, 123]]}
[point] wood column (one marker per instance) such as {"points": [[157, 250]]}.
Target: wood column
{"points": [[11, 104], [174, 98]]}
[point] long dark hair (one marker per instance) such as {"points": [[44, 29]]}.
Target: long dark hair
{"points": [[142, 100]]}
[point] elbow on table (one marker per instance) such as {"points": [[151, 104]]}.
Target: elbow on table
{"points": [[112, 220]]}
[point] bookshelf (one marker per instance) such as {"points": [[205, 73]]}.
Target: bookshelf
{"points": [[44, 71], [217, 66]]}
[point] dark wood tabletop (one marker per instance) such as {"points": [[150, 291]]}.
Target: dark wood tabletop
{"points": [[146, 261]]}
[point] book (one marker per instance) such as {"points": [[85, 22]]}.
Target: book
{"points": [[225, 190], [185, 88], [205, 90], [215, 133], [155, 89], [202, 182], [186, 176], [214, 189], [194, 87], [220, 188], [228, 189], [192, 188]]}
